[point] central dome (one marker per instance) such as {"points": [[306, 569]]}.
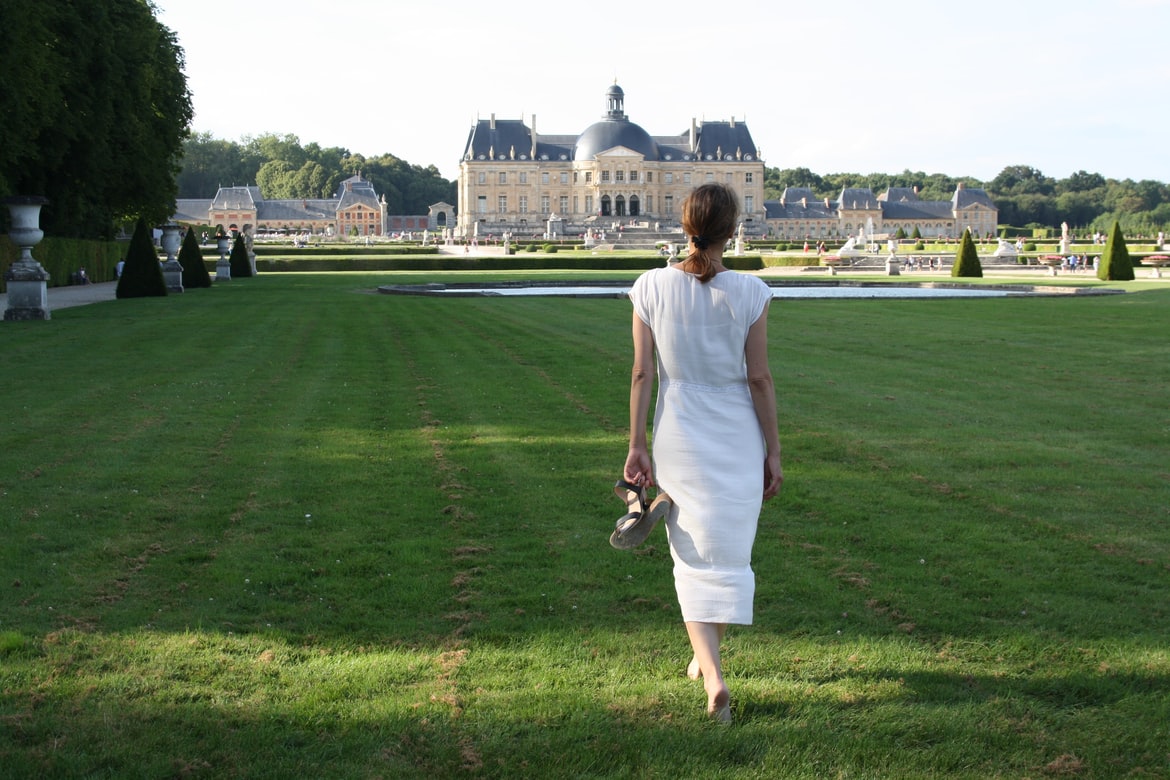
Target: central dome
{"points": [[614, 130], [607, 134]]}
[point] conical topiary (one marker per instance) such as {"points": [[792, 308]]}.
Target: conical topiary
{"points": [[142, 275], [1115, 265], [238, 259], [967, 260], [191, 258]]}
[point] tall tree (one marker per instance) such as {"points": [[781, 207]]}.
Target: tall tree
{"points": [[96, 107]]}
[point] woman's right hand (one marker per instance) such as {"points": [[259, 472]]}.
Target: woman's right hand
{"points": [[639, 469]]}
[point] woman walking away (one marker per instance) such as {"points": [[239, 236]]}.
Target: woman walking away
{"points": [[716, 446]]}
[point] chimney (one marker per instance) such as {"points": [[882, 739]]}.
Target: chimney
{"points": [[694, 133], [733, 121], [492, 125], [532, 152]]}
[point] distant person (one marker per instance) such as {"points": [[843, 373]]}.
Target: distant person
{"points": [[118, 268], [703, 328]]}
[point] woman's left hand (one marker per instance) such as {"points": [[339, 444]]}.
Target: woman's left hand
{"points": [[773, 476]]}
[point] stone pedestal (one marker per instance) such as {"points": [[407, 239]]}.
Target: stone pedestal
{"points": [[893, 267], [27, 280], [172, 271], [1156, 262], [223, 267]]}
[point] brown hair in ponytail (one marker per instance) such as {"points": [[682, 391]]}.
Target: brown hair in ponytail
{"points": [[709, 217]]}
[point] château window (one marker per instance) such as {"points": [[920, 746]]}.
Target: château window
{"points": [[619, 175], [686, 178], [502, 204], [481, 204], [523, 204], [605, 176], [544, 178], [564, 204], [503, 177], [588, 177], [544, 204], [747, 178], [524, 178], [482, 177], [669, 178], [564, 177]]}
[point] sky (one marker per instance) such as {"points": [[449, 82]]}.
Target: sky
{"points": [[850, 86]]}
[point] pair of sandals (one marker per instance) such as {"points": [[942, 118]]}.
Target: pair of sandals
{"points": [[635, 526]]}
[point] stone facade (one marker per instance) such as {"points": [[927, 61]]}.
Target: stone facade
{"points": [[355, 209], [800, 215], [514, 179]]}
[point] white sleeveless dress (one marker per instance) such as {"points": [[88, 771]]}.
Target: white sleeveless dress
{"points": [[707, 446]]}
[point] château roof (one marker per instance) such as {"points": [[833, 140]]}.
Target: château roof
{"points": [[968, 197], [511, 139]]}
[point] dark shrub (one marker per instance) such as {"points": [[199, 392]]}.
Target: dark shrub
{"points": [[142, 275], [240, 265], [191, 258]]}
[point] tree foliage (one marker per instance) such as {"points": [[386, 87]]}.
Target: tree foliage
{"points": [[1088, 202], [967, 259], [1115, 264], [142, 275], [191, 258], [283, 168], [96, 109]]}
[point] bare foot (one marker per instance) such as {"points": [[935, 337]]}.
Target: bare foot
{"points": [[693, 670], [719, 706]]}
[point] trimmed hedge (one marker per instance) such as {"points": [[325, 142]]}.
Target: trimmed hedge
{"points": [[142, 276], [62, 257], [1115, 264], [337, 250], [524, 262], [967, 259]]}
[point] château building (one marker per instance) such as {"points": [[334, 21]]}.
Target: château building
{"points": [[356, 209], [515, 179], [799, 214]]}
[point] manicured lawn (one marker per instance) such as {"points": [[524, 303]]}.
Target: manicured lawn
{"points": [[288, 528]]}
